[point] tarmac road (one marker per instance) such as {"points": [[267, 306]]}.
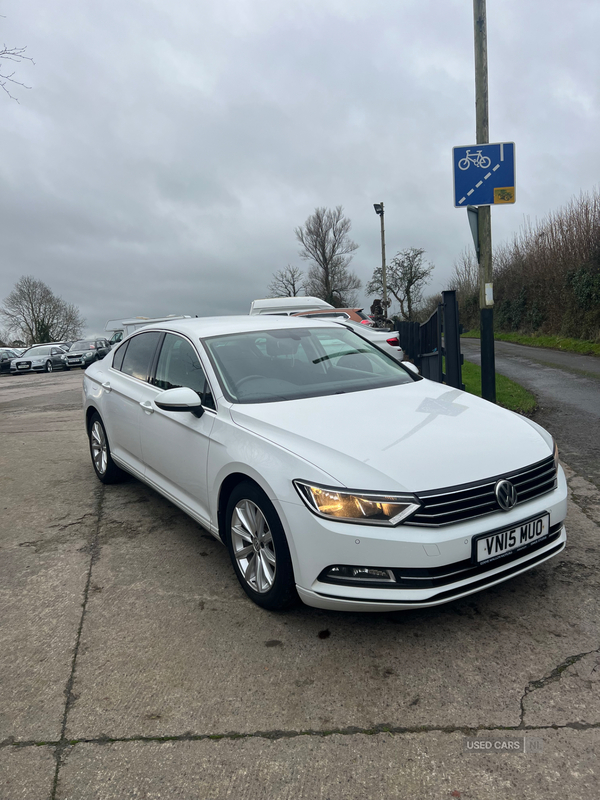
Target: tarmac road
{"points": [[567, 387], [133, 666]]}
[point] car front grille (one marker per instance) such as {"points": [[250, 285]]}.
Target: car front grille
{"points": [[459, 503]]}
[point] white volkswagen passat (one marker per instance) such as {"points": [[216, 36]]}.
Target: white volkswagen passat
{"points": [[328, 469]]}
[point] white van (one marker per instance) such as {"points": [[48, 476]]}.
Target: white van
{"points": [[123, 327], [287, 305]]}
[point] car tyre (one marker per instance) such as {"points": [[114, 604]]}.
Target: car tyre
{"points": [[258, 548], [104, 467], [48, 367]]}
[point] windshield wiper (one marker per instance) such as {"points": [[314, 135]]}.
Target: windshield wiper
{"points": [[337, 355]]}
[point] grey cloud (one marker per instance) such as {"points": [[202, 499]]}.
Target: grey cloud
{"points": [[165, 154]]}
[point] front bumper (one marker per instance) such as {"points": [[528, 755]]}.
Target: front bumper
{"points": [[31, 368], [79, 362], [437, 561]]}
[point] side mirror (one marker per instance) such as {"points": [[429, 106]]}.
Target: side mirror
{"points": [[410, 366], [181, 399]]}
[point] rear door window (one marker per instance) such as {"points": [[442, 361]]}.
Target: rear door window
{"points": [[119, 356], [139, 355]]}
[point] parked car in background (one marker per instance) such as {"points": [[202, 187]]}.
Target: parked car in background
{"points": [[6, 356], [351, 314], [86, 351], [329, 470], [40, 358], [386, 340], [285, 306]]}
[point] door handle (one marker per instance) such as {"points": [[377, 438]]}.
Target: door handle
{"points": [[147, 406], [106, 386]]}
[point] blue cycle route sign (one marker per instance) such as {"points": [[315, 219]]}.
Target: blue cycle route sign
{"points": [[484, 174]]}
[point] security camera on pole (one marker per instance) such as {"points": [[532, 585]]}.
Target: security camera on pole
{"points": [[484, 175]]}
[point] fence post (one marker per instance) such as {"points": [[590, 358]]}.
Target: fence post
{"points": [[454, 357], [408, 336]]}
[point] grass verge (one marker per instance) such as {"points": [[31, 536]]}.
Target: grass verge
{"points": [[583, 346], [509, 394]]}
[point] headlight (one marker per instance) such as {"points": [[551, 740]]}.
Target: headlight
{"points": [[555, 454], [370, 508], [88, 355]]}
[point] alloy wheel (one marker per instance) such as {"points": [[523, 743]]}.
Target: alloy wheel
{"points": [[253, 546], [99, 447]]}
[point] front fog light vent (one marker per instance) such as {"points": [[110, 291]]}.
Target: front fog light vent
{"points": [[368, 574]]}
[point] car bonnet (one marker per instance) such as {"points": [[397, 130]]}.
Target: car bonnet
{"points": [[412, 437]]}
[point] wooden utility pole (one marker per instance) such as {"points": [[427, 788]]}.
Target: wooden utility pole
{"points": [[379, 210], [486, 291]]}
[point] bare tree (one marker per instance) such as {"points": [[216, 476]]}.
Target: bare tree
{"points": [[407, 276], [327, 246], [465, 278], [16, 55], [287, 282], [465, 282], [36, 314]]}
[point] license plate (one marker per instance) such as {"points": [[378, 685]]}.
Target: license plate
{"points": [[500, 543], [22, 366]]}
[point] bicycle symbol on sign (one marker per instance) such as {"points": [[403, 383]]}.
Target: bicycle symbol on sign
{"points": [[474, 158]]}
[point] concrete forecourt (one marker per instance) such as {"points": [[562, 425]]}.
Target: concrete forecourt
{"points": [[133, 665]]}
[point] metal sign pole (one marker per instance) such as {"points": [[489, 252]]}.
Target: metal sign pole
{"points": [[473, 217], [486, 296]]}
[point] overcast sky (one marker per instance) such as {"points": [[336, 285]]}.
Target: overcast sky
{"points": [[165, 152]]}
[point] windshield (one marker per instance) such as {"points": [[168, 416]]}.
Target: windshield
{"points": [[83, 346], [289, 364], [39, 351]]}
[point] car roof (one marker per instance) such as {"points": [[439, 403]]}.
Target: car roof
{"points": [[204, 327]]}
